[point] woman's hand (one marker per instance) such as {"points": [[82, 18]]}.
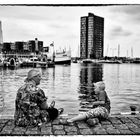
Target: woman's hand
{"points": [[44, 105]]}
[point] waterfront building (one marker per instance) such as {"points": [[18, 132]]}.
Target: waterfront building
{"points": [[6, 47], [35, 46], [13, 47], [91, 37], [46, 49], [26, 47], [20, 53], [21, 47]]}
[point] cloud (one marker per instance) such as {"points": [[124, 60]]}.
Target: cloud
{"points": [[118, 31], [25, 30], [126, 9], [130, 13], [27, 13], [57, 26], [71, 36]]}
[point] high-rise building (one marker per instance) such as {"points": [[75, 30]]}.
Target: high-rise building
{"points": [[91, 36], [1, 37]]}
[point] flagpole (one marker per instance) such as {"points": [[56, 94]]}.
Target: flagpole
{"points": [[52, 44]]}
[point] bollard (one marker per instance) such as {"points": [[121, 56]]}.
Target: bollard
{"points": [[133, 109]]}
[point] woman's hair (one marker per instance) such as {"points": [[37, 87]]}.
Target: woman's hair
{"points": [[100, 84], [32, 73]]}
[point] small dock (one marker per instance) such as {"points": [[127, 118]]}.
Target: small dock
{"points": [[115, 125]]}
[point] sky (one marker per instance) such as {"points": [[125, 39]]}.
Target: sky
{"points": [[62, 25]]}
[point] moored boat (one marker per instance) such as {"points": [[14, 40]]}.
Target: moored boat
{"points": [[35, 62], [87, 61], [74, 61], [11, 62], [51, 64], [62, 58], [111, 61], [101, 61]]}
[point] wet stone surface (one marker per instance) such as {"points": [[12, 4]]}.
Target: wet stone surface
{"points": [[115, 125], [70, 129], [86, 131], [46, 131]]}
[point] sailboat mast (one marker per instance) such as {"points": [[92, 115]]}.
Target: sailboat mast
{"points": [[119, 50], [132, 52], [78, 51], [53, 55], [127, 53], [107, 50]]}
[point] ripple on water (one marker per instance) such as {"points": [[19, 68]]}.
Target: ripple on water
{"points": [[69, 85]]}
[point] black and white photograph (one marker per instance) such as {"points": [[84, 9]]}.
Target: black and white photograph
{"points": [[69, 69]]}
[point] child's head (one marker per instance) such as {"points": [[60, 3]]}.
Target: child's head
{"points": [[99, 86]]}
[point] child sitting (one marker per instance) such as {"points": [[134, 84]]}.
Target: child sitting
{"points": [[101, 107]]}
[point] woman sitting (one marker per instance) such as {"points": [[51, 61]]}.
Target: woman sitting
{"points": [[31, 108]]}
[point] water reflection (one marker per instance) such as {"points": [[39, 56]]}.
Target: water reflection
{"points": [[89, 74], [70, 86], [1, 95]]}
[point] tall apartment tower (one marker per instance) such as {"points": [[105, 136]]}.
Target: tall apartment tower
{"points": [[91, 36], [1, 37]]}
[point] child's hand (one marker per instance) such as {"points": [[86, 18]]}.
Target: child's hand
{"points": [[44, 105], [26, 102], [33, 104]]}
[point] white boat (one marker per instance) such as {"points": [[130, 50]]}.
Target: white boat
{"points": [[101, 61], [11, 62], [35, 62], [111, 61], [63, 57], [87, 61]]}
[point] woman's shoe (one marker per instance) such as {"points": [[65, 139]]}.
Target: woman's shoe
{"points": [[60, 111], [93, 121]]}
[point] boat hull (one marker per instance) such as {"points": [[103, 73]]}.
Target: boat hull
{"points": [[51, 64], [63, 62], [62, 59]]}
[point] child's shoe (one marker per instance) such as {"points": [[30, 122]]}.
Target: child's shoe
{"points": [[93, 122]]}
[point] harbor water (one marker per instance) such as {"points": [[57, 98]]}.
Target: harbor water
{"points": [[69, 85]]}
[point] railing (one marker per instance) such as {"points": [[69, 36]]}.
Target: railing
{"points": [[21, 55]]}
